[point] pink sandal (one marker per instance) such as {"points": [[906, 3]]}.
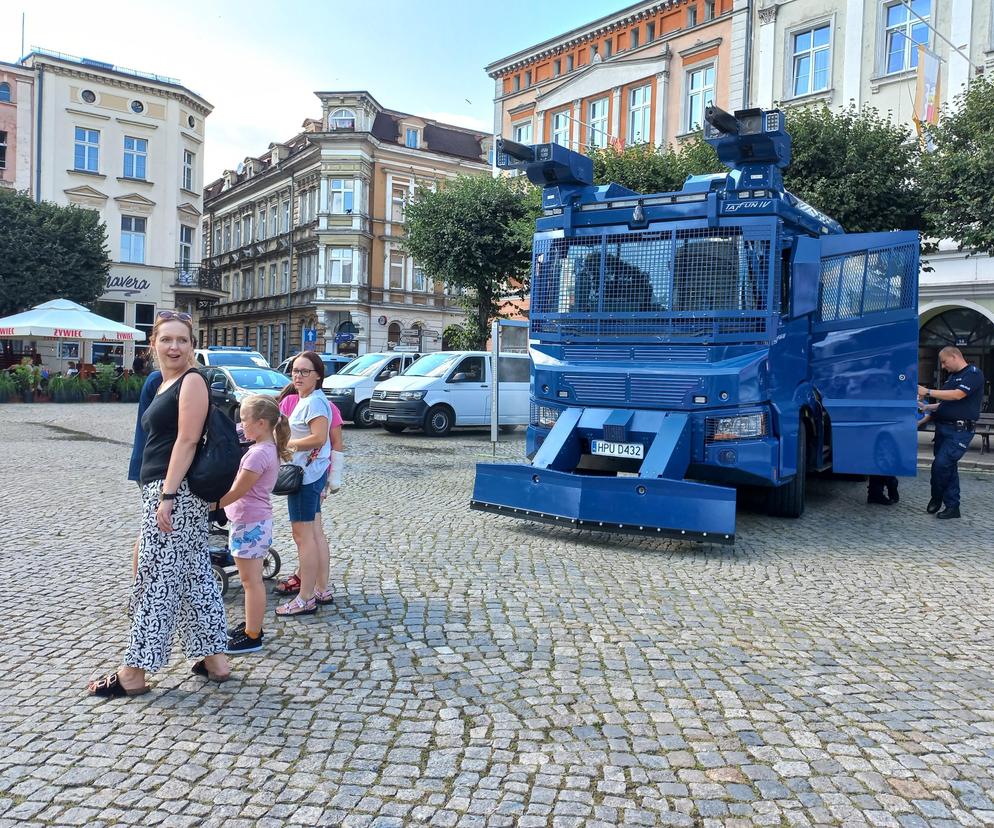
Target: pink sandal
{"points": [[298, 606], [325, 597]]}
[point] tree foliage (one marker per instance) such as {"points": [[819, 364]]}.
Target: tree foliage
{"points": [[475, 233], [645, 169], [49, 252], [956, 174]]}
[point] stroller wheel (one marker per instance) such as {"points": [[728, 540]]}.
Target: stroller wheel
{"points": [[221, 577], [271, 564]]}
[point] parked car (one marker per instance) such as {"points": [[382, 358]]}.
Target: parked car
{"points": [[231, 355], [333, 363], [453, 388], [231, 384], [351, 388]]}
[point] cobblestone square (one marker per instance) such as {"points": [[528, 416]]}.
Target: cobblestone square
{"points": [[475, 671]]}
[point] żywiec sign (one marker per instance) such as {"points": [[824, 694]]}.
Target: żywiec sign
{"points": [[128, 285]]}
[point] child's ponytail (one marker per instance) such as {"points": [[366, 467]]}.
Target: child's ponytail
{"points": [[281, 432]]}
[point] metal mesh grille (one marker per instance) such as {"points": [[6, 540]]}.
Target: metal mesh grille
{"points": [[873, 281], [705, 283]]}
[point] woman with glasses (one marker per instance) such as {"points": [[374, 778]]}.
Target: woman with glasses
{"points": [[310, 443], [174, 590]]}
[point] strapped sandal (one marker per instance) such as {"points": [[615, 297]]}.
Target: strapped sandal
{"points": [[200, 669], [110, 687], [298, 606], [324, 598], [291, 586]]}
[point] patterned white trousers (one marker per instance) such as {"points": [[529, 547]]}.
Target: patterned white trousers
{"points": [[174, 590]]}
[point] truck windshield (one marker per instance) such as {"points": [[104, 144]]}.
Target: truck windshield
{"points": [[696, 283], [433, 365], [363, 366]]}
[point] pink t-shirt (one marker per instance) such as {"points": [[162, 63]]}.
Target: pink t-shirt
{"points": [[255, 505], [290, 402]]}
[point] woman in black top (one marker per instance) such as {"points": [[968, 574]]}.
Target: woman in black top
{"points": [[174, 589]]}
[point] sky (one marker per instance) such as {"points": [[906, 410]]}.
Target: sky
{"points": [[259, 63]]}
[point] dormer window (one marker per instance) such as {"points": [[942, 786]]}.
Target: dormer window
{"points": [[342, 119], [411, 138]]}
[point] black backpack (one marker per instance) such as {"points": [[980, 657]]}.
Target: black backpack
{"points": [[215, 465]]}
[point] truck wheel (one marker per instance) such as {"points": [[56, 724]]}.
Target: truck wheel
{"points": [[788, 500], [438, 421], [362, 416], [394, 428]]}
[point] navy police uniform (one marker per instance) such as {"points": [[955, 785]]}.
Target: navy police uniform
{"points": [[955, 421]]}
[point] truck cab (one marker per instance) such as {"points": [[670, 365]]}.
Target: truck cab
{"points": [[352, 387], [686, 344]]}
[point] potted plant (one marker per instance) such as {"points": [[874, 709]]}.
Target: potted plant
{"points": [[57, 388], [7, 387], [26, 379], [103, 381], [128, 387]]}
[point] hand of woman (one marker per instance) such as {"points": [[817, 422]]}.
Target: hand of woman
{"points": [[164, 516]]}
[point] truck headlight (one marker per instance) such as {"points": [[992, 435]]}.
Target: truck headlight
{"points": [[341, 392], [544, 416], [739, 427], [412, 395]]}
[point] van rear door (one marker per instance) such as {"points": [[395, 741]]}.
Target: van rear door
{"points": [[864, 350]]}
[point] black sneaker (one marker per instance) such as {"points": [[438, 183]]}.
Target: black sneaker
{"points": [[243, 643], [235, 630]]}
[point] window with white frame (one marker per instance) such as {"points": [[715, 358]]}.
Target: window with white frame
{"points": [[811, 60], [560, 128], [398, 200], [342, 196], [247, 284], [5, 92], [185, 246], [238, 233], [285, 216], [188, 161], [86, 156], [262, 281], [342, 119], [236, 287], [633, 39], [640, 114], [421, 282], [272, 279], [700, 93], [217, 239], [709, 9], [285, 277], [273, 212], [227, 237], [247, 228], [396, 271], [261, 223], [135, 157], [597, 123], [904, 29], [133, 239], [411, 138], [522, 133], [3, 150], [340, 266]]}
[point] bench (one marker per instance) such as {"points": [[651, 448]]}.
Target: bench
{"points": [[983, 428]]}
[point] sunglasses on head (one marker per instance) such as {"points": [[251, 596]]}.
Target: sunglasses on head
{"points": [[171, 314]]}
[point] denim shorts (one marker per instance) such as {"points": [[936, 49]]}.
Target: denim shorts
{"points": [[306, 503]]}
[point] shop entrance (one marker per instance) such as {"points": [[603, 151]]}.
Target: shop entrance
{"points": [[971, 332]]}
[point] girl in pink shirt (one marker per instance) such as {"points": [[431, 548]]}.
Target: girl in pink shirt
{"points": [[250, 511], [291, 585]]}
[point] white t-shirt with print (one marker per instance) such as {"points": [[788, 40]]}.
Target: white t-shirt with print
{"points": [[313, 405]]}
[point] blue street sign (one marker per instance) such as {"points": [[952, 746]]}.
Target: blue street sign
{"points": [[310, 338], [343, 337]]}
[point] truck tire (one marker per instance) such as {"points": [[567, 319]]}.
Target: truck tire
{"points": [[788, 500], [438, 421], [362, 416], [394, 428]]}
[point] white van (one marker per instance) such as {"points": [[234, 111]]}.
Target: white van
{"points": [[453, 388], [351, 388]]}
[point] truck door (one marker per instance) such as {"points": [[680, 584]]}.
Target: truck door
{"points": [[864, 350]]}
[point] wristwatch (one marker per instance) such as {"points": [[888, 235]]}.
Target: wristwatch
{"points": [[167, 496]]}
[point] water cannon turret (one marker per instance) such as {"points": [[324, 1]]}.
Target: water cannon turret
{"points": [[749, 137], [547, 165]]}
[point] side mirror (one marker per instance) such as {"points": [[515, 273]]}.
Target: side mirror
{"points": [[219, 386], [392, 374], [460, 377]]}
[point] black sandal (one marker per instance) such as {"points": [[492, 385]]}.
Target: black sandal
{"points": [[110, 687], [200, 669]]}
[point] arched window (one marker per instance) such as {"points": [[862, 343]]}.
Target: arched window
{"points": [[342, 119], [5, 92], [393, 335]]}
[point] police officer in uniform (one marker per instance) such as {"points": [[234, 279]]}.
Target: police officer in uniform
{"points": [[959, 402]]}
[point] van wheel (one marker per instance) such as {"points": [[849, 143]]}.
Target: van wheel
{"points": [[394, 428], [438, 421], [788, 500], [507, 429], [362, 416]]}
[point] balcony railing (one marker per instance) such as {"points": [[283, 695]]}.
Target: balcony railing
{"points": [[197, 277]]}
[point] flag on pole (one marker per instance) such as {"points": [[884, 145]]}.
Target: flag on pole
{"points": [[928, 93], [618, 144]]}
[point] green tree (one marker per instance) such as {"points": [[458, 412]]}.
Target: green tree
{"points": [[475, 233], [857, 167], [645, 169], [956, 174], [49, 252]]}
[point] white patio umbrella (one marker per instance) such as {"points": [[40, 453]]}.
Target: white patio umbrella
{"points": [[62, 319]]}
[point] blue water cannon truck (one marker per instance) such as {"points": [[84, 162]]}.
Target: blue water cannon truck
{"points": [[687, 345]]}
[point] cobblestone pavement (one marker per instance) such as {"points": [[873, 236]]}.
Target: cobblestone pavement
{"points": [[476, 671]]}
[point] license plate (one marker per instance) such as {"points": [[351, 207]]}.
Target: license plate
{"points": [[380, 418], [606, 449]]}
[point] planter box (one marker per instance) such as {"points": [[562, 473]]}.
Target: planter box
{"points": [[93, 398]]}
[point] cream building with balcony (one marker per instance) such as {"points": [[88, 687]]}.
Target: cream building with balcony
{"points": [[128, 144], [307, 237]]}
